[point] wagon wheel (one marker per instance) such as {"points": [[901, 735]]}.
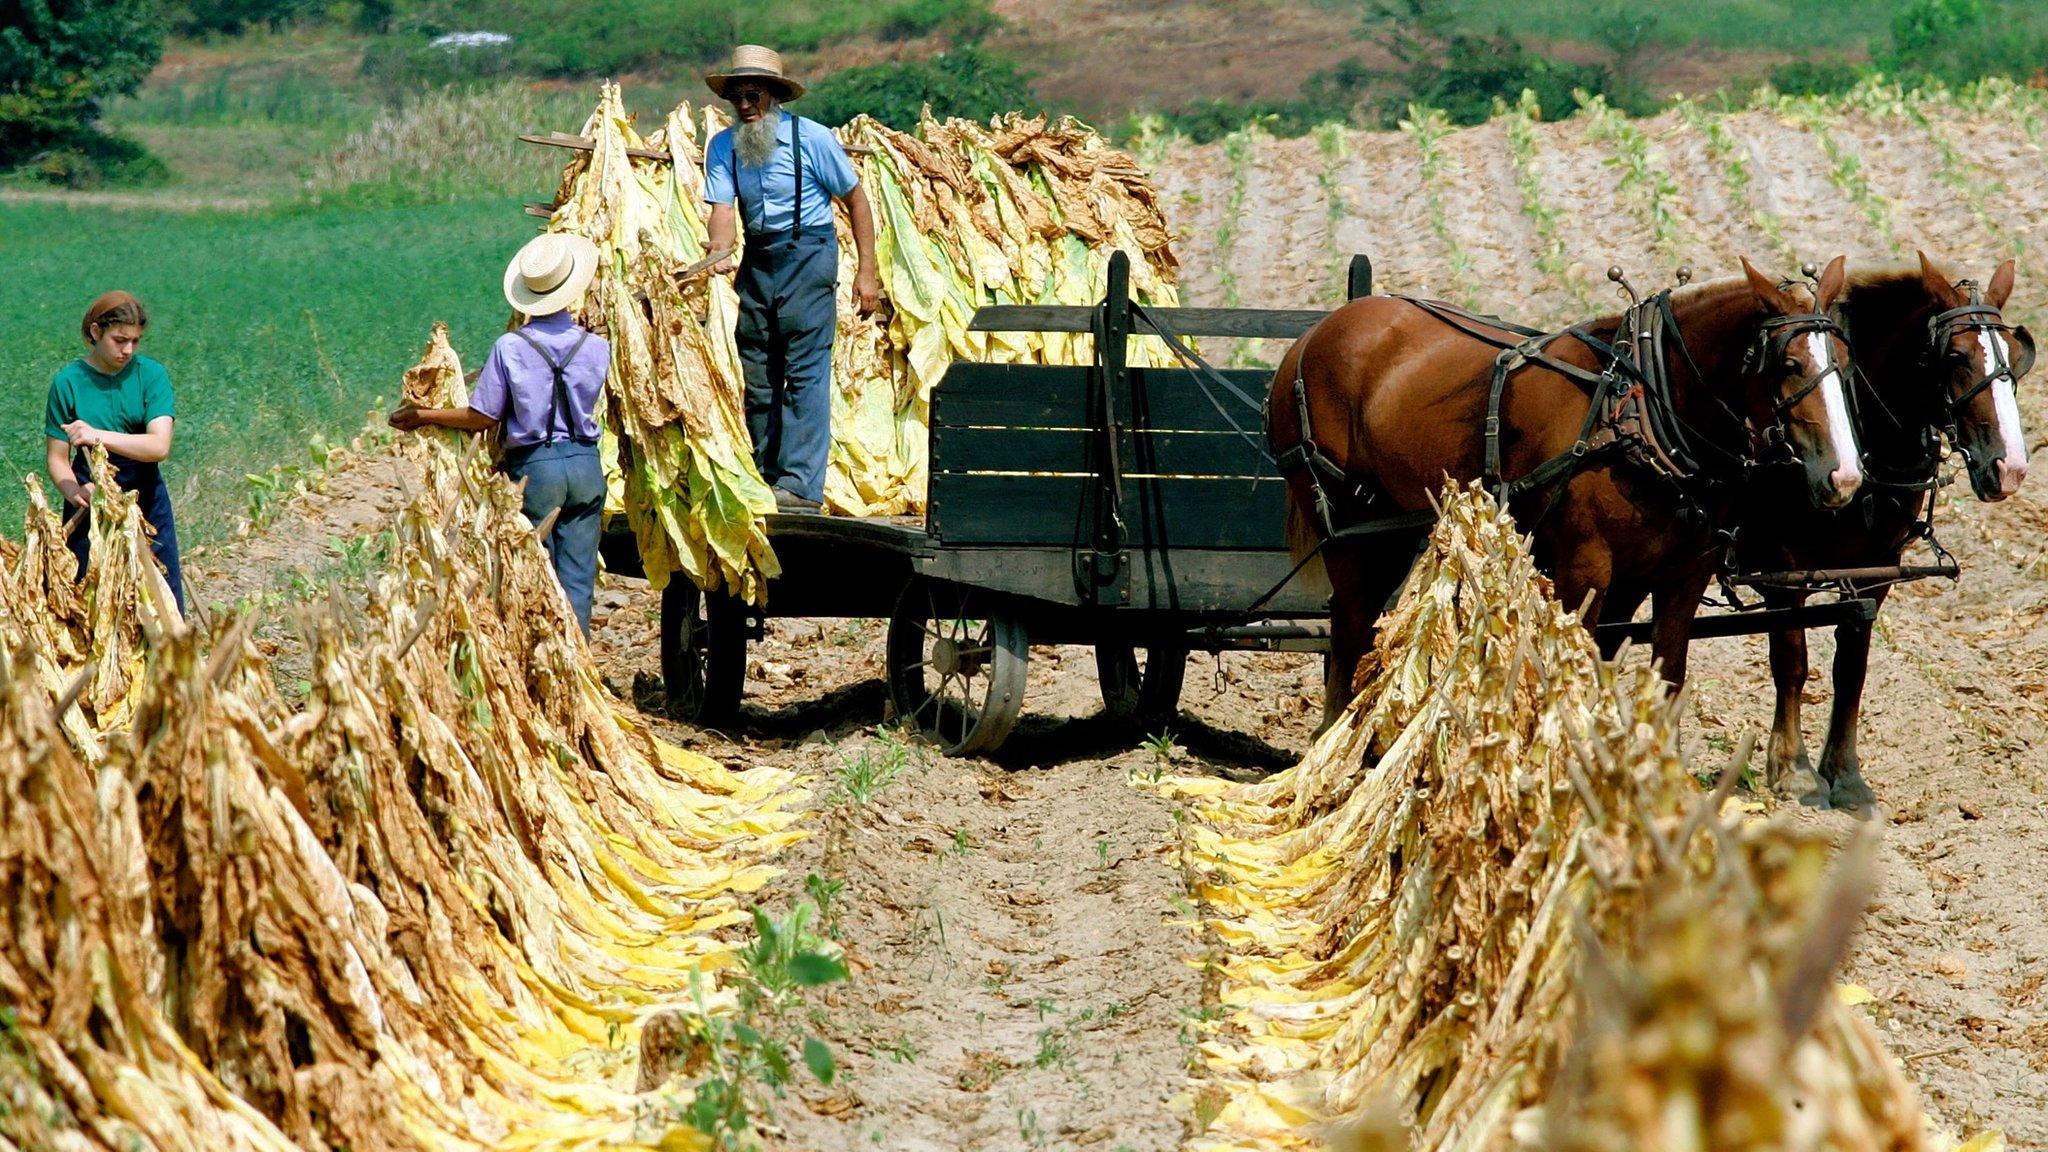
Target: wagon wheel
{"points": [[955, 674], [1141, 684], [703, 653]]}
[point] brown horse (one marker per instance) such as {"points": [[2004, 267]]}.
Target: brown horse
{"points": [[1935, 357], [1372, 409]]}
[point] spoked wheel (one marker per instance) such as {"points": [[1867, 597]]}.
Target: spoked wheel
{"points": [[956, 669], [1141, 684], [703, 652]]}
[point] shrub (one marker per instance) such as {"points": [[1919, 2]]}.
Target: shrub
{"points": [[1816, 77], [1958, 41], [97, 159], [60, 60], [969, 82]]}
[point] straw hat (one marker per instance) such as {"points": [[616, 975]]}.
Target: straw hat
{"points": [[550, 273], [753, 62]]}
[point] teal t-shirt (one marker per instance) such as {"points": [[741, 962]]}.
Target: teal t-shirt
{"points": [[124, 402]]}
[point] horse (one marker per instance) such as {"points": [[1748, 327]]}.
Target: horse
{"points": [[1935, 357], [1614, 443]]}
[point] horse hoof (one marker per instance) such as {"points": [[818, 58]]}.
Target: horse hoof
{"points": [[1803, 785], [1851, 794]]}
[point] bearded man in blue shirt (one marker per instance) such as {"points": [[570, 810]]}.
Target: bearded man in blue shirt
{"points": [[777, 175]]}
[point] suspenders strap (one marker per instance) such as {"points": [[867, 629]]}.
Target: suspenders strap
{"points": [[559, 399]]}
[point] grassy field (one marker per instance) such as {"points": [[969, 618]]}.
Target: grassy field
{"points": [[275, 325]]}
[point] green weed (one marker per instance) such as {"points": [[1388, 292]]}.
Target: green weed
{"points": [[752, 1055], [863, 774]]}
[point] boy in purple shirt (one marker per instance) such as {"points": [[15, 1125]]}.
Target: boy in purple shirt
{"points": [[542, 383]]}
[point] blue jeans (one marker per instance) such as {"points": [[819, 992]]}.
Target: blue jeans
{"points": [[153, 497], [787, 322], [566, 478]]}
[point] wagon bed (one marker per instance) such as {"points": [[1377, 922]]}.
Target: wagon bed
{"points": [[1128, 508]]}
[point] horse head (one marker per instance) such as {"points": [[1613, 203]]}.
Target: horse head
{"points": [[1980, 359], [1796, 392]]}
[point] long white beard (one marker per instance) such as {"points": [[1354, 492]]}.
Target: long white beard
{"points": [[756, 142]]}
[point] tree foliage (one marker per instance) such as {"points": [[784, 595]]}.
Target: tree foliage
{"points": [[59, 59], [969, 82]]}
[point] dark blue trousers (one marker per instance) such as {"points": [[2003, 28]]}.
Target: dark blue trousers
{"points": [[787, 321], [565, 476], [153, 496]]}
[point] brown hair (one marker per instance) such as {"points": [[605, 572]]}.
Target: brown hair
{"points": [[112, 308]]}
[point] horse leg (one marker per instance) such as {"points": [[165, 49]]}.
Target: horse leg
{"points": [[1618, 608], [1362, 585], [1839, 764], [1787, 771], [1672, 609]]}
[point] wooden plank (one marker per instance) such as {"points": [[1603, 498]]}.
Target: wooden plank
{"points": [[1253, 323], [970, 450], [585, 144], [1056, 396], [1227, 513], [544, 211], [1012, 395]]}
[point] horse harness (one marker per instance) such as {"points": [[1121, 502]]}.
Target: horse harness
{"points": [[1632, 414]]}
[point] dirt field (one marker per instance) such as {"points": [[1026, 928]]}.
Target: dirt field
{"points": [[1022, 975]]}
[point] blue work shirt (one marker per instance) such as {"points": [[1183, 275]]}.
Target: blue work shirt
{"points": [[516, 378], [767, 194]]}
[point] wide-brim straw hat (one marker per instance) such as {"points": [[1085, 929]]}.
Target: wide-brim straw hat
{"points": [[763, 65], [550, 273]]}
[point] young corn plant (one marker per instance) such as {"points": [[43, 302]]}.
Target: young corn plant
{"points": [[1641, 178], [1330, 145], [1845, 167], [1237, 151], [1551, 256], [1972, 182], [1427, 127], [1729, 154]]}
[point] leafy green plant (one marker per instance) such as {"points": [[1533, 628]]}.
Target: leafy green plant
{"points": [[1552, 259], [863, 774], [1732, 158], [1427, 127], [751, 1056], [1845, 167], [1330, 147], [1974, 183], [1641, 178]]}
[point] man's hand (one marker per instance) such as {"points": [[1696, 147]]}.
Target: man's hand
{"points": [[725, 267], [406, 419], [82, 435], [75, 494], [867, 291]]}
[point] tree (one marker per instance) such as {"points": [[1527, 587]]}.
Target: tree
{"points": [[971, 83], [59, 59]]}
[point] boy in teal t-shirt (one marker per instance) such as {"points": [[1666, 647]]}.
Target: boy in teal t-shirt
{"points": [[120, 400]]}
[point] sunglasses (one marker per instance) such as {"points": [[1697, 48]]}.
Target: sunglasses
{"points": [[747, 95]]}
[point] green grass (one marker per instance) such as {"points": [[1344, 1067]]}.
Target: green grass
{"points": [[274, 325]]}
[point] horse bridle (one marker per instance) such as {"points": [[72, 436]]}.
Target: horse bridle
{"points": [[1774, 342], [1942, 329]]}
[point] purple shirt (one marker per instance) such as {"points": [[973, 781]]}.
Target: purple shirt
{"points": [[516, 385]]}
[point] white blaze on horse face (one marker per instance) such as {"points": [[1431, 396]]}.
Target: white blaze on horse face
{"points": [[1848, 472], [2006, 403]]}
